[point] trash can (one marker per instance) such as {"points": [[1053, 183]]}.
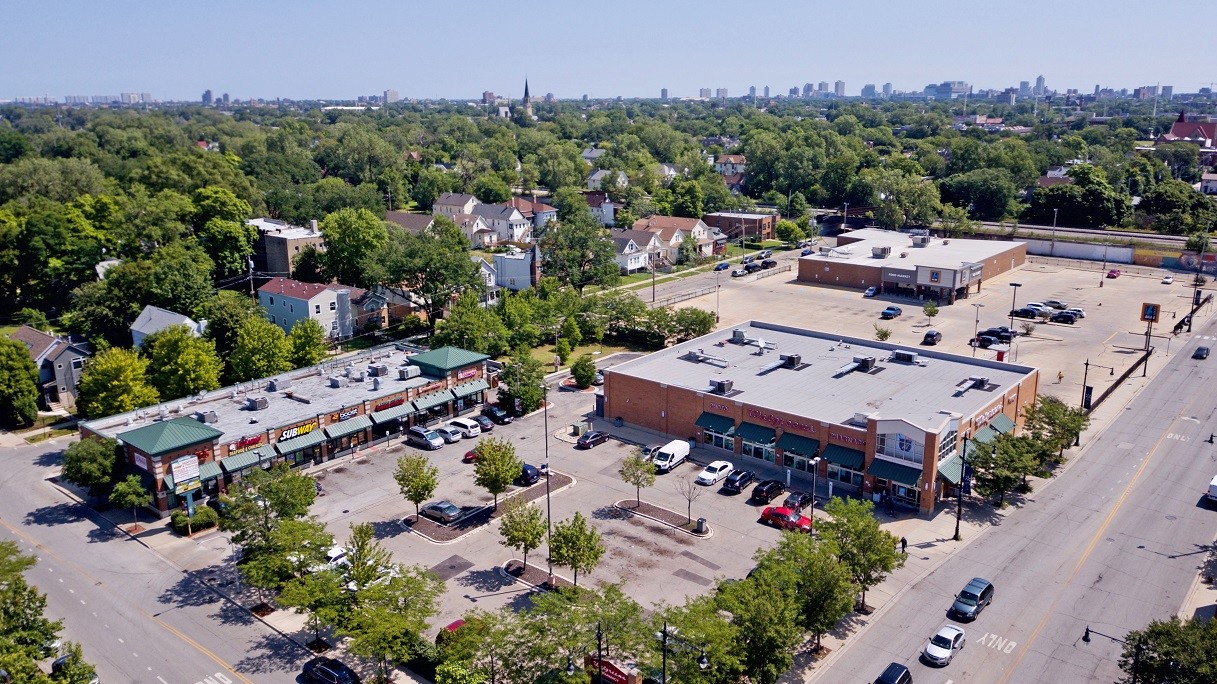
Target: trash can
{"points": [[618, 421], [701, 526]]}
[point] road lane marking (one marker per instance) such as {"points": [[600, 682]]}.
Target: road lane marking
{"points": [[997, 643], [162, 681]]}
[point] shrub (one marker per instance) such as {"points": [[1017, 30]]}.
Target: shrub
{"points": [[562, 349], [583, 370], [204, 518]]}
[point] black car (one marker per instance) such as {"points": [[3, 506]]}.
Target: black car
{"points": [[1002, 333], [895, 674], [483, 422], [1201, 353], [769, 263], [768, 490], [932, 337], [797, 501], [1025, 313], [984, 341], [590, 439], [497, 414], [328, 671], [737, 480], [748, 259], [528, 476], [1063, 317], [752, 267]]}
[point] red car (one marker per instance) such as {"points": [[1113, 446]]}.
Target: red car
{"points": [[470, 456], [786, 519], [1113, 273]]}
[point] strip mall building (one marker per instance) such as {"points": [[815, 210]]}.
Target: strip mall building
{"points": [[196, 447], [882, 419]]}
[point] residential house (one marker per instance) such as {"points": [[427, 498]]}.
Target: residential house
{"points": [[452, 203], [476, 229], [734, 183], [490, 290], [671, 232], [736, 225], [415, 223], [728, 164], [668, 173], [707, 240], [154, 319], [592, 155], [1208, 183], [278, 244], [597, 178], [603, 209], [340, 310], [537, 213], [519, 269], [1202, 133], [506, 221], [635, 249], [60, 362]]}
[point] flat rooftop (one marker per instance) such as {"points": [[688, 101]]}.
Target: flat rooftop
{"points": [[739, 215], [275, 228], [944, 253], [820, 387], [236, 420]]}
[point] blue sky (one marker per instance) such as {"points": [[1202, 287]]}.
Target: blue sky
{"points": [[458, 48]]}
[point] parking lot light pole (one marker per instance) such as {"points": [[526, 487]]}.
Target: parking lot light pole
{"points": [[549, 525], [702, 663], [976, 326], [814, 464], [1013, 299]]}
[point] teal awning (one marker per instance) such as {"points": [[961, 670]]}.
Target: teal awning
{"points": [[844, 456], [759, 434], [168, 480], [209, 470], [951, 469], [1002, 423], [348, 426], [798, 444], [906, 475], [465, 389], [303, 442], [985, 435], [245, 459], [715, 423], [428, 401], [382, 417]]}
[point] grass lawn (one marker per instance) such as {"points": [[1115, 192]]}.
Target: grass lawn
{"points": [[545, 353]]}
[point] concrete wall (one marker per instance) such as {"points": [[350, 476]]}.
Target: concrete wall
{"points": [[1115, 254]]}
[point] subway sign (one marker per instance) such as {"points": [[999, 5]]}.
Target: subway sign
{"points": [[298, 430]]}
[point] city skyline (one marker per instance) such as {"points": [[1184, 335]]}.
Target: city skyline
{"points": [[175, 55]]}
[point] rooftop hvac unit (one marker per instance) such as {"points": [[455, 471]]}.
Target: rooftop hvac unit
{"points": [[721, 386], [164, 412], [921, 240], [905, 356], [881, 252], [978, 381], [407, 372], [791, 360], [338, 381], [256, 403], [206, 416], [375, 383], [378, 370], [359, 376], [865, 363], [278, 384], [738, 336]]}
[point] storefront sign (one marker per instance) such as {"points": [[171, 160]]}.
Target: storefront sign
{"points": [[984, 418], [297, 431], [389, 404], [611, 672], [467, 373], [430, 388], [719, 407], [344, 414], [185, 468], [244, 444], [784, 423], [140, 461], [847, 439]]}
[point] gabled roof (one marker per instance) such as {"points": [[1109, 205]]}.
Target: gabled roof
{"points": [[154, 319], [286, 287], [731, 159], [622, 244], [1049, 181], [415, 223], [447, 358], [37, 342], [666, 226], [526, 207], [501, 212], [169, 435], [455, 199], [595, 198], [733, 179], [643, 238]]}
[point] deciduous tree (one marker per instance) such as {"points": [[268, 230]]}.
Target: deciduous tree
{"points": [[130, 493], [522, 377], [307, 342], [261, 350], [583, 370], [18, 384], [351, 237], [1175, 651], [181, 364], [497, 466], [576, 545], [92, 463], [416, 478], [855, 538], [114, 381], [469, 325], [580, 253], [522, 526], [638, 471]]}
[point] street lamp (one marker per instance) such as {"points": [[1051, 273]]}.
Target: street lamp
{"points": [[1103, 271], [976, 326], [1138, 648], [815, 466], [570, 662], [963, 457], [1052, 249], [1085, 374], [1012, 300], [702, 663], [717, 286]]}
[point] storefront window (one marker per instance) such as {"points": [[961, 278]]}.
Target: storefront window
{"points": [[900, 446], [758, 450], [719, 440], [906, 495], [845, 476]]}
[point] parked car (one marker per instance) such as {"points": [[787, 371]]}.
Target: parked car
{"points": [[442, 511], [60, 666], [895, 674], [942, 646], [797, 501], [739, 272], [891, 312], [1113, 273], [737, 480], [422, 437], [1056, 304], [764, 254], [753, 267], [671, 455], [483, 422], [470, 456], [748, 259], [321, 670], [984, 341], [528, 475], [497, 414], [649, 450], [450, 433], [715, 472], [1025, 313], [975, 597], [590, 439], [335, 558], [786, 519], [1001, 332], [932, 337], [467, 427], [722, 266], [1168, 280], [871, 292], [806, 251], [1063, 317], [1076, 311], [769, 263], [1201, 353], [768, 490], [1037, 306], [599, 378]]}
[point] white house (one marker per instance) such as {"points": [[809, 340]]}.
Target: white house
{"points": [[339, 309], [452, 203], [490, 294], [603, 209], [730, 164], [476, 228], [517, 270], [634, 249], [1208, 183], [508, 224], [154, 319]]}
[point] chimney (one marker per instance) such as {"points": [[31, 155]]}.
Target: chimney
{"points": [[312, 226]]}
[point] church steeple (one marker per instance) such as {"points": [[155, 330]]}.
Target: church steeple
{"points": [[527, 99]]}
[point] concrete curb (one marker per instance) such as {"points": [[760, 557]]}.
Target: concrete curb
{"points": [[709, 532], [490, 522], [516, 580]]}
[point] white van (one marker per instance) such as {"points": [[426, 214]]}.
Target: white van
{"points": [[1213, 490], [671, 455], [469, 428]]}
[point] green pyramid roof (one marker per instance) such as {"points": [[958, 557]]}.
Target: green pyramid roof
{"points": [[447, 358], [169, 435]]}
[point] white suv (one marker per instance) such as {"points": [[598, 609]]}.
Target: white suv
{"points": [[469, 429]]}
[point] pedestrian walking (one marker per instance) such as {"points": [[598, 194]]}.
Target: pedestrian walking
{"points": [[904, 546]]}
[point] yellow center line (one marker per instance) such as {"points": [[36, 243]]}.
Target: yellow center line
{"points": [[97, 583], [1094, 541]]}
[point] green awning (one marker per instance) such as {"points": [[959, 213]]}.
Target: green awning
{"points": [[798, 444], [382, 417], [168, 481], [209, 470], [245, 459], [985, 435], [844, 456], [303, 442], [465, 389], [951, 469], [1002, 423], [427, 401], [715, 423], [906, 475], [759, 434], [348, 426]]}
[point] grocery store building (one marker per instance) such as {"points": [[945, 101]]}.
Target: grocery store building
{"points": [[913, 265], [882, 419], [195, 447]]}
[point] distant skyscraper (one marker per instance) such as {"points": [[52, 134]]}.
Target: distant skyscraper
{"points": [[206, 98], [806, 90], [721, 93], [663, 93], [887, 90], [1096, 90], [224, 99], [704, 93], [822, 87], [145, 97], [487, 97], [839, 88], [1168, 92], [1039, 85], [868, 90], [766, 91], [1024, 89], [794, 92], [390, 96], [752, 92]]}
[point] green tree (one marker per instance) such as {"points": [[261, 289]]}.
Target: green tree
{"points": [[416, 478], [18, 384], [930, 310], [72, 668], [1173, 651], [638, 471], [690, 322], [308, 266], [307, 342], [261, 351], [226, 312], [229, 244], [12, 563], [1055, 423], [92, 463], [522, 526], [433, 265], [469, 325], [181, 364], [388, 623], [455, 672], [571, 332], [497, 466], [562, 349], [491, 189], [130, 493], [576, 545], [260, 501], [999, 465], [882, 333], [867, 552], [583, 370], [114, 381], [687, 198], [765, 615], [823, 587], [33, 318], [367, 562], [789, 231], [320, 594], [351, 237], [521, 380], [988, 194], [581, 253], [571, 205]]}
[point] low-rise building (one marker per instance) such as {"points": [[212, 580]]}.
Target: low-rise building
{"points": [[727, 164], [597, 179], [537, 213], [636, 249], [278, 244], [452, 203], [60, 362], [340, 310], [477, 230], [508, 224], [738, 224], [518, 270], [603, 209], [415, 223], [154, 319]]}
